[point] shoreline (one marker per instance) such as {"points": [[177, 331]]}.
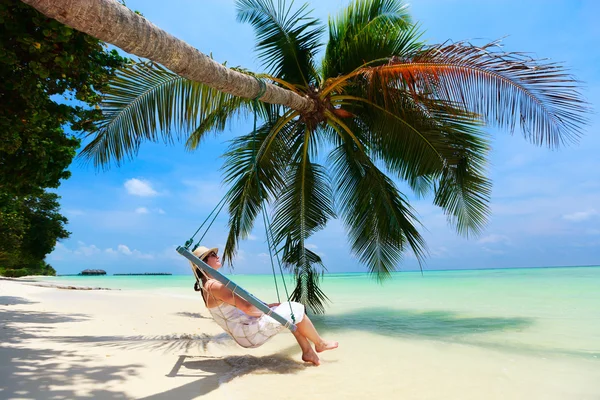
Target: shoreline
{"points": [[26, 280], [153, 344]]}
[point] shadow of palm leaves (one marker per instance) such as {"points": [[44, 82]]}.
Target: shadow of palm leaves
{"points": [[213, 372], [247, 364], [43, 373], [14, 301], [191, 315], [166, 343], [440, 325], [407, 323]]}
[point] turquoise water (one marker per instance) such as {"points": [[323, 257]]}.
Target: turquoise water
{"points": [[547, 312]]}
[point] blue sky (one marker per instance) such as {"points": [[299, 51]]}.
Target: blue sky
{"points": [[545, 203]]}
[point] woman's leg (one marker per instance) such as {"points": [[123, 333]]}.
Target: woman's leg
{"points": [[308, 354], [308, 330]]}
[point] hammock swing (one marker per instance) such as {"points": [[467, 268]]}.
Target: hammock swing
{"points": [[273, 322]]}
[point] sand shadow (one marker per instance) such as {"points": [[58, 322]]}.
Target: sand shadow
{"points": [[422, 324], [39, 373], [191, 315], [20, 325], [443, 326], [165, 343], [14, 301], [213, 372]]}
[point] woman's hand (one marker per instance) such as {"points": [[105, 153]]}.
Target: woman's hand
{"points": [[273, 305]]}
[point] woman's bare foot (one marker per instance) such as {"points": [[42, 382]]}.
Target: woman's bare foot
{"points": [[311, 357], [326, 345]]}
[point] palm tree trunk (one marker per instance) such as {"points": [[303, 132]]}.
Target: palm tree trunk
{"points": [[114, 23]]}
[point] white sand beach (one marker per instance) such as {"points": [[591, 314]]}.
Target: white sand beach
{"points": [[111, 344]]}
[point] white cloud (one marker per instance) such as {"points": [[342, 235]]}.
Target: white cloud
{"points": [[86, 250], [139, 187], [493, 238], [160, 211], [311, 246], [141, 210], [252, 237], [123, 249], [581, 215]]}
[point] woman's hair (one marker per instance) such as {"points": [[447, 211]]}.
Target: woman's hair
{"points": [[199, 285]]}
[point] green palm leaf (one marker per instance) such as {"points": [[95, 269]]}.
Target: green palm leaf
{"points": [[307, 290], [366, 31], [303, 207], [457, 163], [146, 102], [464, 193], [505, 89], [251, 182], [287, 40], [304, 204], [380, 221]]}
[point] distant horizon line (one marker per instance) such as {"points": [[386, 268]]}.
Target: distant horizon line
{"points": [[357, 272]]}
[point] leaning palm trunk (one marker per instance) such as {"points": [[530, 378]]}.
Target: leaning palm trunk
{"points": [[114, 23]]}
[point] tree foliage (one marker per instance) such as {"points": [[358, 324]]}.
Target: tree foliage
{"points": [[31, 225], [387, 108], [52, 77]]}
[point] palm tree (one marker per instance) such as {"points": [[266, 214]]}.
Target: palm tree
{"points": [[384, 107]]}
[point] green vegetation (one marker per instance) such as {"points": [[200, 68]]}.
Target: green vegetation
{"points": [[388, 108], [51, 79]]}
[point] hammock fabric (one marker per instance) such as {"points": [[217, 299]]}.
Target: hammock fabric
{"points": [[246, 330]]}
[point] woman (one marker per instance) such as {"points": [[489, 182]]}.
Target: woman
{"points": [[246, 324]]}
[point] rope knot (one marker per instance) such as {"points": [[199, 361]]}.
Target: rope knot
{"points": [[262, 88]]}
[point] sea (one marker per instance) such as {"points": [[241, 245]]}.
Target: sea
{"points": [[538, 328]]}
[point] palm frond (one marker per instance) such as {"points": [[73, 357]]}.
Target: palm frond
{"points": [[288, 40], [304, 263], [400, 134], [463, 190], [464, 195], [251, 182], [146, 102], [504, 89], [303, 207], [368, 30], [304, 204], [380, 221]]}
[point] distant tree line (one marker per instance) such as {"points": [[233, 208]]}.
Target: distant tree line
{"points": [[52, 77]]}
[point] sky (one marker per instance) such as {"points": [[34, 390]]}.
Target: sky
{"points": [[545, 203]]}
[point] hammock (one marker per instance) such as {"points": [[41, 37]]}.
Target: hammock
{"points": [[224, 314]]}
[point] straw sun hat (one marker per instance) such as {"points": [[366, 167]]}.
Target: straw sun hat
{"points": [[202, 252]]}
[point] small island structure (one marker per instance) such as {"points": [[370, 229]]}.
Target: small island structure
{"points": [[93, 272], [144, 273]]}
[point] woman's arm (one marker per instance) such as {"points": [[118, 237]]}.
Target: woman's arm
{"points": [[220, 292]]}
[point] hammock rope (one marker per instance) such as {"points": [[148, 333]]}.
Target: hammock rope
{"points": [[268, 230]]}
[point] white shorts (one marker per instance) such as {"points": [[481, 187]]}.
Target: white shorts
{"points": [[258, 331]]}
